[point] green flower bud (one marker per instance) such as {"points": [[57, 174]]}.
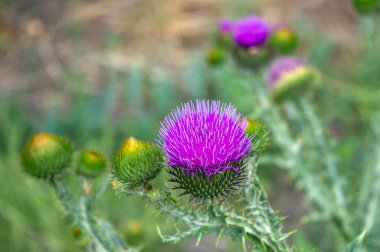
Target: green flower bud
{"points": [[90, 164], [289, 77], [46, 155], [260, 133], [205, 188], [252, 58], [136, 163], [284, 40], [216, 56], [294, 82], [366, 6]]}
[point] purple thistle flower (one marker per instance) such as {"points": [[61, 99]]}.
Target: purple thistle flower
{"points": [[226, 25], [251, 31], [204, 137], [281, 67]]}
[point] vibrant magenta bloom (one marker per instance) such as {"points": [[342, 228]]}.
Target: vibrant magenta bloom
{"points": [[251, 31], [281, 67], [204, 137]]}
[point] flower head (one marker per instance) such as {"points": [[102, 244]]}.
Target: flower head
{"points": [[287, 74], [251, 31], [205, 137]]}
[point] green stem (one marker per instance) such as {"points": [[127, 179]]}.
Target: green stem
{"points": [[267, 222], [81, 215]]}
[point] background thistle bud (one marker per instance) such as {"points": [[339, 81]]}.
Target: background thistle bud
{"points": [[250, 31], [223, 37], [216, 56], [289, 75], [284, 40], [205, 144], [46, 155], [90, 164], [366, 6], [136, 162]]}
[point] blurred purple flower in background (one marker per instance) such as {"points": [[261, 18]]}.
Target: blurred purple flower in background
{"points": [[226, 25], [204, 137], [281, 67], [251, 31]]}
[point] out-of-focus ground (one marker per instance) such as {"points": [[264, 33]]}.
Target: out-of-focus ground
{"points": [[42, 39]]}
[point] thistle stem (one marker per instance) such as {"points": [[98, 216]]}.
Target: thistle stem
{"points": [[81, 215], [259, 228]]}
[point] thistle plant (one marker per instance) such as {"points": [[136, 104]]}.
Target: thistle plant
{"points": [[208, 153], [48, 156], [252, 40]]}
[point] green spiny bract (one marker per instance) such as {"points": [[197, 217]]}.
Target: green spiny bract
{"points": [[252, 58], [205, 188], [136, 163], [90, 164], [46, 155]]}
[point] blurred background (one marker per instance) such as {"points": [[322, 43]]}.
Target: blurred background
{"points": [[98, 71]]}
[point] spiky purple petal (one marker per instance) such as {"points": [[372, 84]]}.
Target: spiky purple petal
{"points": [[204, 137]]}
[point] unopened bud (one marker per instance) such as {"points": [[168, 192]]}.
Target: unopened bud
{"points": [[260, 133], [290, 76], [216, 56], [90, 164], [46, 155], [284, 40], [136, 162]]}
